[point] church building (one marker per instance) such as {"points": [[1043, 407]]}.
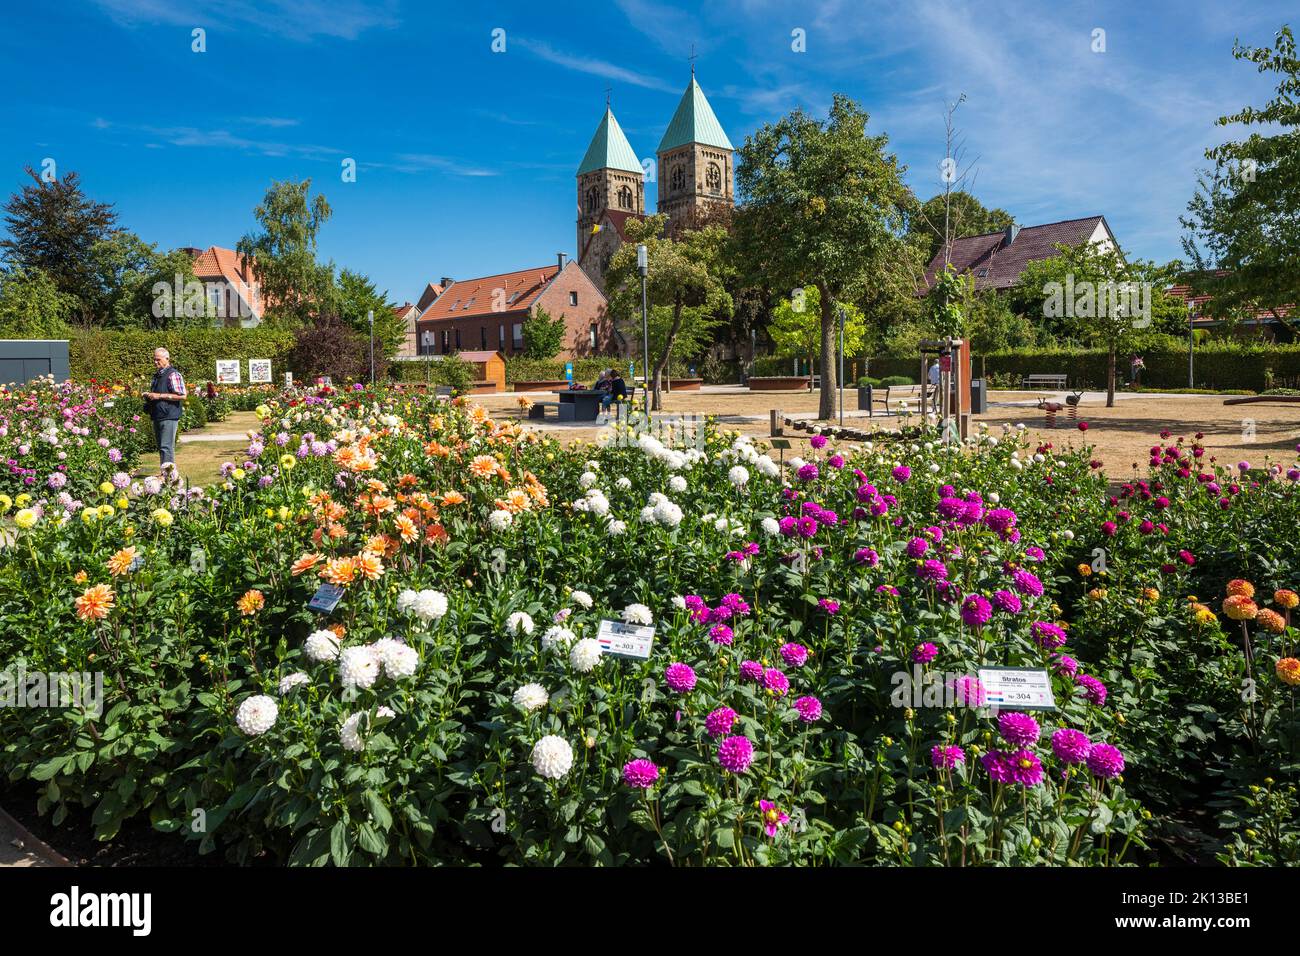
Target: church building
{"points": [[694, 172]]}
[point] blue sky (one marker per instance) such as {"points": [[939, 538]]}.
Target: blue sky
{"points": [[466, 157]]}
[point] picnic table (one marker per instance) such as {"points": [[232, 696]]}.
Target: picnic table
{"points": [[575, 405]]}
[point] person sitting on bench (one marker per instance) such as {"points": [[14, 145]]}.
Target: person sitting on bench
{"points": [[615, 388]]}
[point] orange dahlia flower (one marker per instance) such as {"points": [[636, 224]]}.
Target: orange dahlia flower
{"points": [[252, 602], [370, 565], [1239, 607], [340, 571], [452, 498], [1240, 587], [483, 466], [305, 563], [1288, 671], [120, 563], [1270, 621], [95, 603], [1286, 599]]}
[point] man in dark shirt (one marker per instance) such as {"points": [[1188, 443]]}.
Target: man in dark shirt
{"points": [[163, 401]]}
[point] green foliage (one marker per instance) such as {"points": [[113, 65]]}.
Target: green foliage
{"points": [[543, 335], [796, 325], [436, 370], [354, 297], [1244, 221], [967, 216], [32, 307], [127, 355], [947, 302], [294, 285]]}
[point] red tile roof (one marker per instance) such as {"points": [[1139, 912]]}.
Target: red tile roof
{"points": [[489, 295], [215, 264], [1000, 263], [1195, 302], [431, 292]]}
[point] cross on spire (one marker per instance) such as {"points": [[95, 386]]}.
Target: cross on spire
{"points": [[692, 59], [608, 91]]}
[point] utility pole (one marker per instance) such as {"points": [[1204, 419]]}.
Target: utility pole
{"points": [[643, 267], [371, 316], [843, 321]]}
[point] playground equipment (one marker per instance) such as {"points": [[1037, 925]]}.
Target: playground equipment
{"points": [[1071, 407]]}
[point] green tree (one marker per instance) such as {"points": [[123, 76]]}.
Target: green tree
{"points": [[32, 307], [355, 296], [543, 335], [294, 285], [825, 207], [685, 289], [795, 329], [1244, 221], [53, 226], [967, 216]]}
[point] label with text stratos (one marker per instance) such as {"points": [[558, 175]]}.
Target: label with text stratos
{"points": [[1022, 688], [625, 640]]}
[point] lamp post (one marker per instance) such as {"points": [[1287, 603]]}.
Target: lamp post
{"points": [[371, 317], [843, 320], [1191, 344], [643, 267]]}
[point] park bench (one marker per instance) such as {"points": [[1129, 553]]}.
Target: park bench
{"points": [[1044, 381], [564, 411], [906, 393]]}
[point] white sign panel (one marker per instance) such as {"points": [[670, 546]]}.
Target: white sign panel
{"points": [[227, 371], [259, 370], [1017, 688], [625, 640]]}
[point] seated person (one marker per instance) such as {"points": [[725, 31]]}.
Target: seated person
{"points": [[617, 389]]}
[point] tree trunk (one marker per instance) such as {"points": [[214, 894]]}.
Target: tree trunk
{"points": [[661, 364], [1110, 378], [826, 405]]}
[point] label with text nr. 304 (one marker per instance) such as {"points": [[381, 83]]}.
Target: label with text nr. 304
{"points": [[625, 640], [1017, 688]]}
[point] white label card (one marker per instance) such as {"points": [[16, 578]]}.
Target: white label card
{"points": [[227, 371], [1017, 688], [625, 640]]}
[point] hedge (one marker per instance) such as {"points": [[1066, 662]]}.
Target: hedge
{"points": [[113, 355], [1218, 365], [584, 369]]}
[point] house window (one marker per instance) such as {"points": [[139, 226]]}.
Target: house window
{"points": [[593, 199], [624, 198], [517, 334], [573, 298], [678, 181], [458, 340], [982, 274], [444, 341], [502, 337], [591, 335]]}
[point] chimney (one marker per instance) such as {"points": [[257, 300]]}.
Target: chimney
{"points": [[445, 281], [559, 258], [1010, 234]]}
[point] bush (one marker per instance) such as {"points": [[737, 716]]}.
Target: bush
{"points": [[866, 380], [893, 381], [125, 355], [330, 346], [436, 370]]}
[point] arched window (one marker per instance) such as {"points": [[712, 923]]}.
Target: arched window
{"points": [[678, 181], [713, 178], [593, 199], [624, 198]]}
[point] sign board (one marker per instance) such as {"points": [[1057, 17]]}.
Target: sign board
{"points": [[326, 598], [568, 371], [288, 379], [259, 370], [945, 363], [780, 443], [625, 640], [227, 371], [1017, 688]]}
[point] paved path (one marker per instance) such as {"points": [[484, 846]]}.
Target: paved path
{"points": [[18, 847]]}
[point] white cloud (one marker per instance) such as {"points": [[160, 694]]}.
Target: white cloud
{"points": [[583, 64], [288, 19]]}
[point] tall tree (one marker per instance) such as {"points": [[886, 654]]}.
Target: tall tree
{"points": [[796, 325], [355, 296], [685, 288], [966, 216], [31, 306], [825, 206], [53, 226], [294, 285], [1244, 221]]}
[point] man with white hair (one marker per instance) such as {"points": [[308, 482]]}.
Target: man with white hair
{"points": [[163, 401]]}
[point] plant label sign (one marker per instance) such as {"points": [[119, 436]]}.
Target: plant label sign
{"points": [[259, 370], [625, 640], [1017, 688], [227, 371], [326, 598]]}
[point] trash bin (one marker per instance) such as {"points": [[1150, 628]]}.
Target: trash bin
{"points": [[979, 397], [864, 398]]}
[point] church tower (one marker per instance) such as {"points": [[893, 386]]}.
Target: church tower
{"points": [[696, 163], [611, 187]]}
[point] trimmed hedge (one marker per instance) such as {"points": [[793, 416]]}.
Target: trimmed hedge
{"points": [[123, 355], [584, 369]]}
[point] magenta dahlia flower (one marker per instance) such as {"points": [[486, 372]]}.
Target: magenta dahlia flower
{"points": [[995, 763], [1070, 745], [641, 773], [1047, 635], [917, 547], [794, 655], [901, 473], [1027, 583], [976, 611], [967, 691], [1065, 664], [924, 653], [946, 757], [735, 754], [721, 634], [1008, 602], [818, 441], [1105, 761], [866, 556], [773, 816], [809, 709], [680, 677], [776, 681], [829, 606], [751, 670], [1017, 729], [719, 721], [1093, 689], [1025, 767], [932, 569]]}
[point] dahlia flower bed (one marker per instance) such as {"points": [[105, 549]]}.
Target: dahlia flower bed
{"points": [[812, 695]]}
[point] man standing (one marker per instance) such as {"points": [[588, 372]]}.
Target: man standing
{"points": [[163, 401]]}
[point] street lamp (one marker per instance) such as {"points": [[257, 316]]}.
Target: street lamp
{"points": [[1191, 346], [843, 320], [643, 267], [371, 316]]}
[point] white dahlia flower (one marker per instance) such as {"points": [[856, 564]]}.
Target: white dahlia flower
{"points": [[667, 514], [531, 697], [771, 527], [637, 614], [738, 476], [430, 605], [397, 659], [616, 527], [585, 655], [623, 483], [582, 599], [519, 623], [293, 680], [587, 479], [359, 666], [500, 520], [406, 600], [677, 484], [321, 646], [256, 715], [558, 639], [552, 757], [767, 467]]}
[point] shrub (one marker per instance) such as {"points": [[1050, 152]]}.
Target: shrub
{"points": [[896, 380], [330, 346], [127, 355]]}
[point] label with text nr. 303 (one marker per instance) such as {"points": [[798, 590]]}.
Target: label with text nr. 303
{"points": [[1017, 688], [625, 640]]}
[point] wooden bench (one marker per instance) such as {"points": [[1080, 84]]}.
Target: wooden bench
{"points": [[1044, 381], [922, 393]]}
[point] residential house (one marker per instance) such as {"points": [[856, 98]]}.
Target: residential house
{"points": [[995, 260], [231, 285], [408, 312], [1253, 323]]}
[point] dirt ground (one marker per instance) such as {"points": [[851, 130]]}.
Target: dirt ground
{"points": [[1120, 436]]}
